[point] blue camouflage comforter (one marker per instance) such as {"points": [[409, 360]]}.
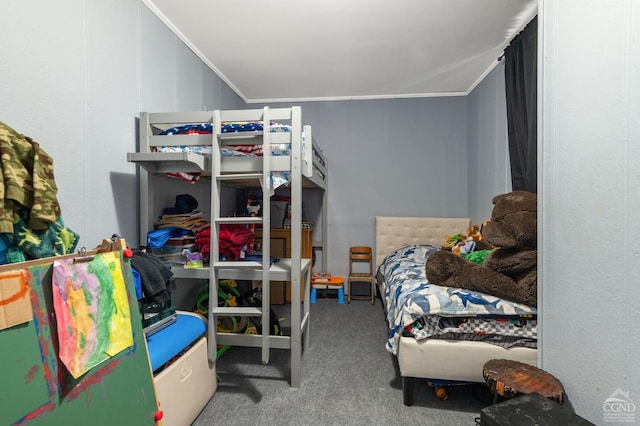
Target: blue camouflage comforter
{"points": [[409, 295]]}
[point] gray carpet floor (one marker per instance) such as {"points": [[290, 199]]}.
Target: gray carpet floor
{"points": [[348, 378]]}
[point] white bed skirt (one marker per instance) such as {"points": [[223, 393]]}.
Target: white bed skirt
{"points": [[454, 359]]}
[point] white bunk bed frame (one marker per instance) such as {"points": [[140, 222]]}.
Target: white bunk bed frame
{"points": [[307, 167]]}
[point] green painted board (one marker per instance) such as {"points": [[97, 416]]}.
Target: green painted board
{"points": [[36, 388]]}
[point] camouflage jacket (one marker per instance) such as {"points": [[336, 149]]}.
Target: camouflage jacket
{"points": [[27, 183]]}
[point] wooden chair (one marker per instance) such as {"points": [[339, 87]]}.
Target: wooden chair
{"points": [[360, 254]]}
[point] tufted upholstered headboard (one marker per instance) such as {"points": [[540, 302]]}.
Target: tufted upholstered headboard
{"points": [[393, 233]]}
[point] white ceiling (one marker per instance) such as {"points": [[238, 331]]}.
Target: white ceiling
{"points": [[297, 50]]}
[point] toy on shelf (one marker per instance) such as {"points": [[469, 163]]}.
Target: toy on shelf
{"points": [[192, 260]]}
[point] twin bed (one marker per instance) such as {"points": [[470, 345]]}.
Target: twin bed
{"points": [[439, 333]]}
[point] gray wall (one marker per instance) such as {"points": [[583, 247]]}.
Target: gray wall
{"points": [[489, 170], [410, 157], [589, 178], [74, 75], [394, 157]]}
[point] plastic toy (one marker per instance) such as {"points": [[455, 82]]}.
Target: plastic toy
{"points": [[192, 260], [440, 387], [253, 209]]}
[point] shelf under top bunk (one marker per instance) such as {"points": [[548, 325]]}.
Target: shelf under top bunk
{"points": [[279, 271], [188, 162]]}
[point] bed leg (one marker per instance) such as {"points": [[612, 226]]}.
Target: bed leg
{"points": [[407, 390]]}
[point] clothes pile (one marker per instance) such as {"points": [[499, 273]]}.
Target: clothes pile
{"points": [[31, 226]]}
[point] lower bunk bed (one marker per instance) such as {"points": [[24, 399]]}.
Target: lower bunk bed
{"points": [[442, 334]]}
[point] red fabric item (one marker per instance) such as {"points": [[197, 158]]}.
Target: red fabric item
{"points": [[233, 238], [202, 242]]}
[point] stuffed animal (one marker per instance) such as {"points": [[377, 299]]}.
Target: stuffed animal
{"points": [[471, 240], [510, 271]]}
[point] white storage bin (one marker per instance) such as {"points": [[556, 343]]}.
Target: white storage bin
{"points": [[184, 384], [185, 387], [173, 254]]}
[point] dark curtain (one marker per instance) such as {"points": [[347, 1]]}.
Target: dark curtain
{"points": [[521, 75]]}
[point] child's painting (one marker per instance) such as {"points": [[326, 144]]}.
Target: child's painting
{"points": [[15, 305], [92, 311]]}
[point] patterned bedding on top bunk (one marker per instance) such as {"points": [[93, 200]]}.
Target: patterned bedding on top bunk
{"points": [[228, 150], [278, 178], [423, 310]]}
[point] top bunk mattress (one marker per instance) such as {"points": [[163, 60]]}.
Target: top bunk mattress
{"points": [[249, 150], [278, 178]]}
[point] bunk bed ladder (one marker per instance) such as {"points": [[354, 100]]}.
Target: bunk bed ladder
{"points": [[242, 269]]}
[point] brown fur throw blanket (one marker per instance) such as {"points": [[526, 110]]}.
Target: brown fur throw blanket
{"points": [[510, 271]]}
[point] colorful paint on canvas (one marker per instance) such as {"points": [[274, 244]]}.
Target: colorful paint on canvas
{"points": [[92, 311]]}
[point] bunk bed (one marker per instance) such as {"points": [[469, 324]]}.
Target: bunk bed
{"points": [[229, 147], [413, 306]]}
